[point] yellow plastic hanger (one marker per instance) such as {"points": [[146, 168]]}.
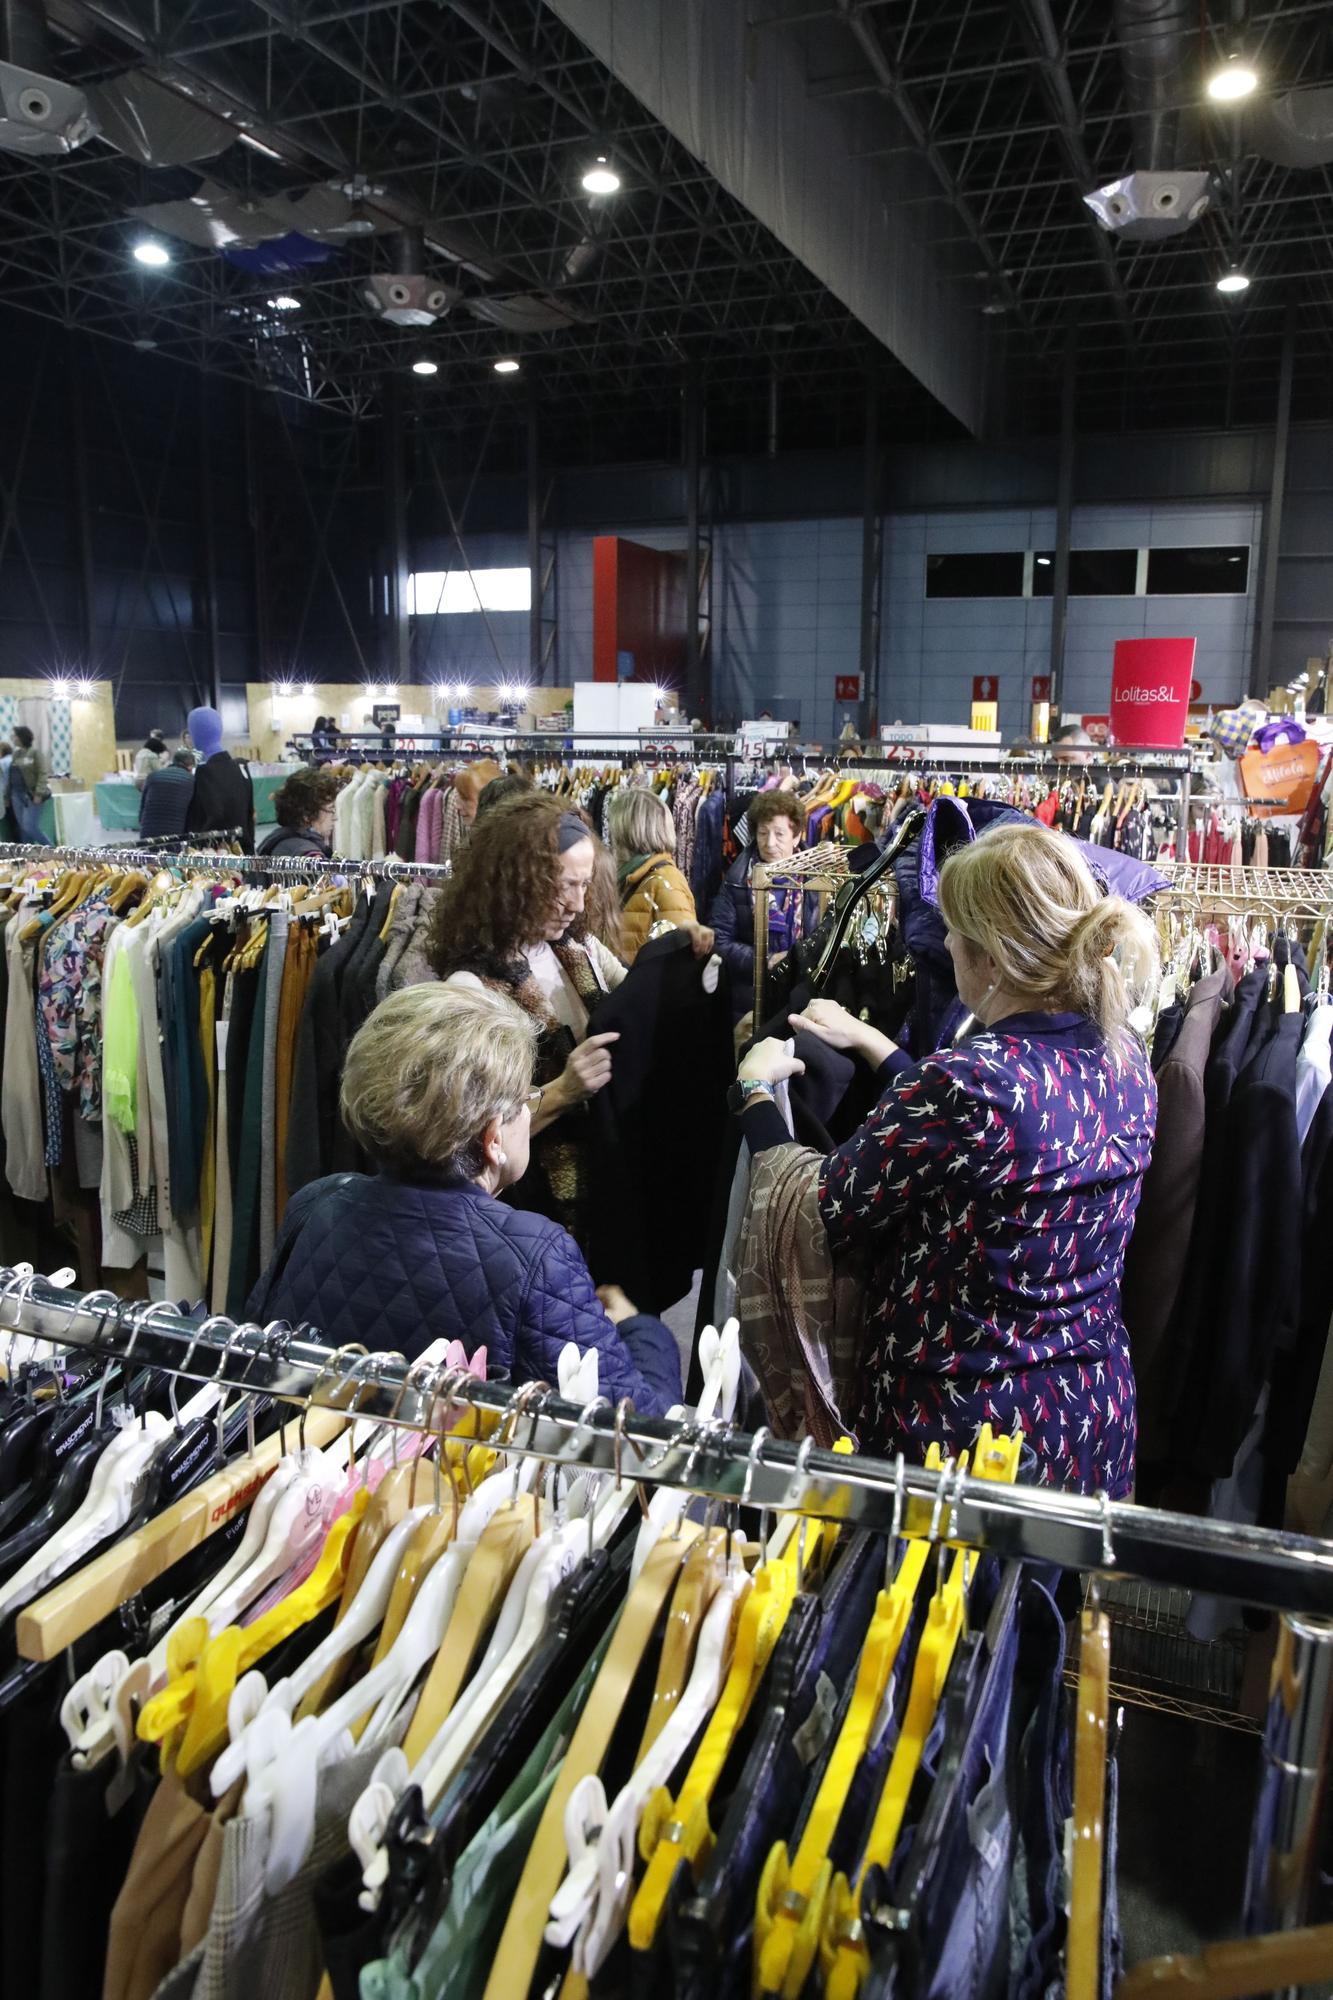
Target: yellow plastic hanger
{"points": [[198, 1698], [842, 1947], [520, 1943], [793, 1893], [1083, 1948], [680, 1830]]}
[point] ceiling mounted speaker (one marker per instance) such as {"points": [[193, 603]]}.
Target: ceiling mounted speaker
{"points": [[1148, 207], [40, 116]]}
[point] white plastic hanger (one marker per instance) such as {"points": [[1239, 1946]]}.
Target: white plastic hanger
{"points": [[115, 1491], [720, 1360], [592, 1903]]}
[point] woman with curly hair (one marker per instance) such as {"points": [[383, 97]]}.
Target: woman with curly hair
{"points": [[515, 917]]}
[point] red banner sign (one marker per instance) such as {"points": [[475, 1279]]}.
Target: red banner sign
{"points": [[1150, 688], [1041, 687], [847, 687], [985, 687]]}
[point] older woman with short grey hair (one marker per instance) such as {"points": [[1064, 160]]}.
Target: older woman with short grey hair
{"points": [[437, 1092]]}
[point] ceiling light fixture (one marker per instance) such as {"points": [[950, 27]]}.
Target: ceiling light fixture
{"points": [[152, 255], [258, 146], [1234, 81], [601, 177], [60, 688], [1233, 281], [1044, 562], [506, 365], [425, 367], [85, 690], [285, 303], [307, 687], [285, 687]]}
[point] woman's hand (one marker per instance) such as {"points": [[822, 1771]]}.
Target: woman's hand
{"points": [[701, 939], [833, 1024], [769, 1062], [588, 1069], [616, 1306]]}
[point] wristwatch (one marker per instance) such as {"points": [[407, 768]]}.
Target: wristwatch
{"points": [[746, 1089]]}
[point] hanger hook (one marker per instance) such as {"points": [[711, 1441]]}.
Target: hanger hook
{"points": [[946, 1473], [1108, 1545], [753, 1459]]}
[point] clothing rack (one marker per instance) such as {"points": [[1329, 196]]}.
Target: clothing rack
{"points": [[1289, 1573], [1259, 1566], [285, 867], [1298, 895]]}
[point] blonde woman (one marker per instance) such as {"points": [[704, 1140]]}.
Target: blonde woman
{"points": [[437, 1090], [653, 892], [993, 1188]]}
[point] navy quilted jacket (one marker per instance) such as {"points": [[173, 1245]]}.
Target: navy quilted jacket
{"points": [[398, 1264]]}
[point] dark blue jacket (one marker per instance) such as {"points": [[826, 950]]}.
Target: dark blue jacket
{"points": [[732, 922], [164, 803], [397, 1264]]}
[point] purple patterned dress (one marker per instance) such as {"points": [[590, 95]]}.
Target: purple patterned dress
{"points": [[994, 1188]]}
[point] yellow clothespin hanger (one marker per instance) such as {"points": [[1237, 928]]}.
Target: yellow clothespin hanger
{"points": [[843, 1950], [671, 1832]]}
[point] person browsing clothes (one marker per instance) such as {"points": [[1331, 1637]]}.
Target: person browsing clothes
{"points": [[436, 1091], [777, 827], [993, 1188]]}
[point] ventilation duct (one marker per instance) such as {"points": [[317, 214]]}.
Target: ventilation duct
{"points": [[1164, 195], [40, 117], [156, 125], [1295, 130]]}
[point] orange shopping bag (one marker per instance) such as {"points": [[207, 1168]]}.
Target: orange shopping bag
{"points": [[1280, 780]]}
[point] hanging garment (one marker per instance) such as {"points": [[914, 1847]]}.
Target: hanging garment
{"points": [[801, 1316]]}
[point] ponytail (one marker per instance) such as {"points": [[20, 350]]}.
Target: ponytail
{"points": [[1025, 896]]}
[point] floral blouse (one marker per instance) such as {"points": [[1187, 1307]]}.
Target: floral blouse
{"points": [[994, 1188]]}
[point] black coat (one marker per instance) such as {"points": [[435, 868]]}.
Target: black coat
{"points": [[732, 922], [659, 1125], [315, 1135], [292, 840], [223, 798], [164, 804]]}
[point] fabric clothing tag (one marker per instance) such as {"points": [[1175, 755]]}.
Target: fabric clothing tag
{"points": [[814, 1733]]}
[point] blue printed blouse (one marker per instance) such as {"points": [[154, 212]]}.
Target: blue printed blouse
{"points": [[994, 1188]]}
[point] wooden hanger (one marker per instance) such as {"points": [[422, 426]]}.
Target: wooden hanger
{"points": [[696, 1587], [520, 1944], [1241, 1966], [87, 1596], [1083, 1948], [490, 1571]]}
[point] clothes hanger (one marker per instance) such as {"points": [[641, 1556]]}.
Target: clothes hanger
{"points": [[1279, 1962], [1083, 1946], [520, 1944], [700, 1579], [842, 1946], [672, 1832], [794, 1892]]}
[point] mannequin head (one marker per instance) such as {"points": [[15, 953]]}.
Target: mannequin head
{"points": [[205, 731]]}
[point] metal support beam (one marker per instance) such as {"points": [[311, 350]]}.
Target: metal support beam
{"points": [[870, 558], [208, 547], [1262, 674], [83, 530], [254, 521], [697, 692], [1064, 508], [535, 661], [398, 633]]}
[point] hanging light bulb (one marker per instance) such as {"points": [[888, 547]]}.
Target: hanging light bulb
{"points": [[601, 177], [1232, 282], [1234, 81]]}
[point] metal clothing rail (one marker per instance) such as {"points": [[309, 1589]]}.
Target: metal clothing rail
{"points": [[285, 867], [1303, 894], [1030, 1523]]}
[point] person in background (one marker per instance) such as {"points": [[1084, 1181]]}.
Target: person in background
{"points": [[653, 892], [29, 787], [321, 734], [993, 1188], [7, 822], [223, 797], [437, 1091], [1073, 745], [153, 755], [304, 808], [509, 785], [388, 739], [165, 804], [777, 827]]}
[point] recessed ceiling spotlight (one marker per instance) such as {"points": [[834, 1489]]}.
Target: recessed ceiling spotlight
{"points": [[425, 367], [601, 177], [1232, 82], [1233, 281], [506, 365], [285, 303], [154, 256]]}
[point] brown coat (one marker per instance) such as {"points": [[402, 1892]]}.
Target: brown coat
{"points": [[1155, 1260], [656, 893]]}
